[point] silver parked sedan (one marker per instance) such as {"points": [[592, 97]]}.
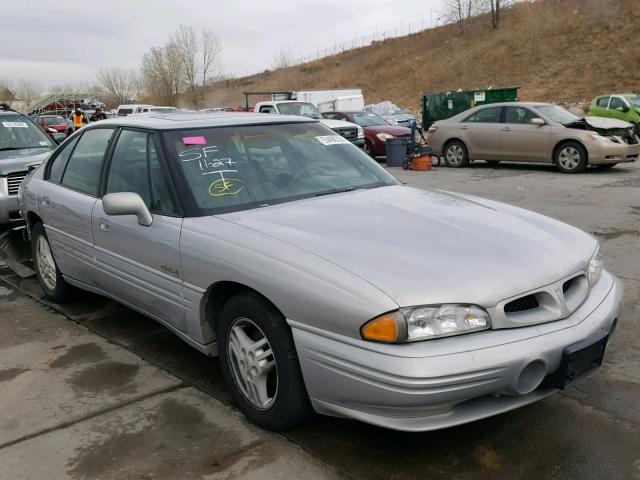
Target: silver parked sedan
{"points": [[321, 282], [533, 132]]}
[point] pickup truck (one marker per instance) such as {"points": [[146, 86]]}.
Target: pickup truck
{"points": [[352, 132]]}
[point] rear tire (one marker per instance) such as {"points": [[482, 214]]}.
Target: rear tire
{"points": [[368, 148], [456, 155], [49, 276], [570, 157], [260, 364]]}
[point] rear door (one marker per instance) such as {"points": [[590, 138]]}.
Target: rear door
{"points": [[140, 265], [481, 133], [66, 202], [520, 140]]}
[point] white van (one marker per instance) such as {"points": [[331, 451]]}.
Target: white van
{"points": [[124, 110]]}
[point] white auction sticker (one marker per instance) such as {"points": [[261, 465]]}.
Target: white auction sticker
{"points": [[15, 125], [331, 139]]}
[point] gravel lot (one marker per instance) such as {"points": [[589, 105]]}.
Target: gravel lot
{"points": [[82, 430]]}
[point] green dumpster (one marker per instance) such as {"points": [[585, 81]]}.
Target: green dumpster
{"points": [[438, 106]]}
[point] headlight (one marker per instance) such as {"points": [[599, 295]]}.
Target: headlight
{"points": [[424, 323], [596, 264], [383, 136], [360, 132]]}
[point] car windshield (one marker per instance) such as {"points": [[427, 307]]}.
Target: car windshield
{"points": [[633, 100], [365, 119], [54, 120], [556, 113], [303, 109], [19, 133], [241, 167]]}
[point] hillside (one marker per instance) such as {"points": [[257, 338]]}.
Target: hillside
{"points": [[554, 50]]}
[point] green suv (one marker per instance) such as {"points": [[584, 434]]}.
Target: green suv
{"points": [[624, 106]]}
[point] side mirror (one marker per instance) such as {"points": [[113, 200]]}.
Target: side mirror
{"points": [[538, 121], [58, 137], [127, 203]]}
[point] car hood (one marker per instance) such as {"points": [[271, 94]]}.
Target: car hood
{"points": [[606, 123], [390, 129], [21, 160], [331, 123], [428, 246]]}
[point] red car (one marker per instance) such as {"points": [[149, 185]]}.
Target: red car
{"points": [[376, 130], [59, 124]]}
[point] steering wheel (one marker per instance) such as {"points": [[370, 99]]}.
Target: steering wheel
{"points": [[306, 171]]}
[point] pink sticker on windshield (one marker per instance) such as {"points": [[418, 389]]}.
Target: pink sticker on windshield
{"points": [[194, 140]]}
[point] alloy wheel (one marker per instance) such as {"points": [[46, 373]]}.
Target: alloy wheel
{"points": [[569, 158], [253, 364], [46, 264], [455, 154]]}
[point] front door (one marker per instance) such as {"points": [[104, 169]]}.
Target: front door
{"points": [[521, 140], [140, 265], [67, 199]]}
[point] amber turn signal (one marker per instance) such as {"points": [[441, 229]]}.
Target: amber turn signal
{"points": [[381, 329]]}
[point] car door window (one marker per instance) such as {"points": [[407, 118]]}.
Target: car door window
{"points": [[603, 102], [57, 165], [616, 102], [267, 109], [519, 115], [486, 115], [135, 167], [83, 167], [333, 116]]}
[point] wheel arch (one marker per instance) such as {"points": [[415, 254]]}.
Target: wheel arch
{"points": [[32, 219], [560, 143], [456, 139], [219, 293]]}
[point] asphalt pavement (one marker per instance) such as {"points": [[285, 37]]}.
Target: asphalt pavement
{"points": [[91, 389]]}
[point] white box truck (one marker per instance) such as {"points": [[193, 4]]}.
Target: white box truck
{"points": [[343, 99]]}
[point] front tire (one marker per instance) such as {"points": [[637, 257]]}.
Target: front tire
{"points": [[571, 157], [456, 155], [368, 148], [260, 364], [51, 281]]}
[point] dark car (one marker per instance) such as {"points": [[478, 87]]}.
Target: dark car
{"points": [[23, 146], [55, 122], [376, 130]]}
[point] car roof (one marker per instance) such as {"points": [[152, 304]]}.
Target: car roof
{"points": [[179, 121], [515, 104]]}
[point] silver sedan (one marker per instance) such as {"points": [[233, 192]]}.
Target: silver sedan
{"points": [[319, 280]]}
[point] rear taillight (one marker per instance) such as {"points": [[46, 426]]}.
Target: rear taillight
{"points": [[432, 130]]}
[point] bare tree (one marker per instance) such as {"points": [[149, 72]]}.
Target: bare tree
{"points": [[210, 52], [163, 73], [282, 59], [494, 9], [187, 49], [119, 84], [460, 11], [6, 90], [28, 90]]}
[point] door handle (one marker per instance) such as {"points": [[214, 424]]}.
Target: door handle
{"points": [[506, 129], [103, 224], [45, 202], [463, 127]]}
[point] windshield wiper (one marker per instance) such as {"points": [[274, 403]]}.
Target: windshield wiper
{"points": [[337, 190], [5, 149]]}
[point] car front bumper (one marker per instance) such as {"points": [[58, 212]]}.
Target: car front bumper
{"points": [[441, 383], [9, 208], [610, 152]]}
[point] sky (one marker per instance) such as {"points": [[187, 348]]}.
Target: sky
{"points": [[69, 41]]}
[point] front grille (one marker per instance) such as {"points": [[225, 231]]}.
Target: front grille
{"points": [[566, 286], [13, 182], [350, 133], [522, 304]]}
